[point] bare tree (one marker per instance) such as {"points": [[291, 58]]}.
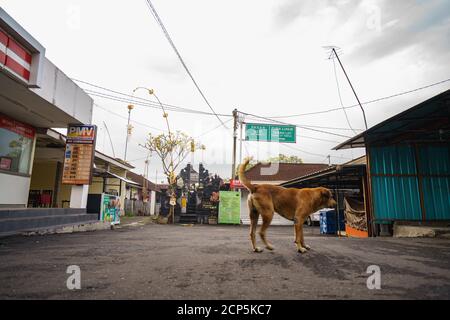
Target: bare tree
{"points": [[172, 149]]}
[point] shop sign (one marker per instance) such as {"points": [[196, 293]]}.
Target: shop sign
{"points": [[17, 127], [229, 207], [79, 154], [236, 184], [110, 209]]}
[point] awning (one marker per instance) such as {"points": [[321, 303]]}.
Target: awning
{"points": [[108, 174]]}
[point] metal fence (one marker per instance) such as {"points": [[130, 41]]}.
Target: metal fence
{"points": [[137, 207]]}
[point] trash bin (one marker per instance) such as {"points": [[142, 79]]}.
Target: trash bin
{"points": [[328, 223]]}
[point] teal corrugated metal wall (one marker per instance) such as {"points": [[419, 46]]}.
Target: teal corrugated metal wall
{"points": [[392, 160], [434, 163], [395, 182], [394, 197]]}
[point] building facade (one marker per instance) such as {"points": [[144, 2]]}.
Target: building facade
{"points": [[34, 96]]}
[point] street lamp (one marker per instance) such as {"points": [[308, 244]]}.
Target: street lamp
{"points": [[172, 177], [129, 128]]}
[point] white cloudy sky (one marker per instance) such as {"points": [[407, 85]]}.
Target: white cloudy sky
{"points": [[261, 56]]}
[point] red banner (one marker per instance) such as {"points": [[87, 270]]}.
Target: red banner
{"points": [[18, 127], [236, 184]]}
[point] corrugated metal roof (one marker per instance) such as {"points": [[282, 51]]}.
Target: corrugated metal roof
{"points": [[415, 121]]}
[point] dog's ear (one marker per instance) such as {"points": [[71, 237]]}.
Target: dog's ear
{"points": [[326, 193]]}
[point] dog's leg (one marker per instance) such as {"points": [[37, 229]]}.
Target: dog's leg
{"points": [[302, 241], [299, 235], [254, 215], [267, 218]]}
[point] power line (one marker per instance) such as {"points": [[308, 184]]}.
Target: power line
{"points": [[296, 125], [115, 98], [210, 130], [123, 117], [148, 103], [167, 106], [322, 127], [364, 103], [313, 154], [167, 35]]}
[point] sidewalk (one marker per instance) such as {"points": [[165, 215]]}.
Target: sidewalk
{"points": [[135, 221]]}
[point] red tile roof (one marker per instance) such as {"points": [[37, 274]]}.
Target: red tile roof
{"points": [[286, 171], [140, 180]]}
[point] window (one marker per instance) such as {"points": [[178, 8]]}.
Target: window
{"points": [[16, 145]]}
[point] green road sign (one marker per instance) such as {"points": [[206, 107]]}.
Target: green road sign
{"points": [[270, 132], [230, 207]]}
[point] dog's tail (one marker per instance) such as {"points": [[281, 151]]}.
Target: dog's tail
{"points": [[245, 181]]}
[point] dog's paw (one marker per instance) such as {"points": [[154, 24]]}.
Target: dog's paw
{"points": [[307, 247], [301, 250], [257, 250]]}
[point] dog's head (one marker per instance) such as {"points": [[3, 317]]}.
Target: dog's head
{"points": [[326, 198]]}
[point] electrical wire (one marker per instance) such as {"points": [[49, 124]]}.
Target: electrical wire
{"points": [[172, 44], [313, 154], [296, 125], [363, 103], [149, 103], [134, 98], [210, 130], [123, 117]]}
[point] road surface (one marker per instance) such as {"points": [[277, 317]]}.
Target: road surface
{"points": [[215, 262]]}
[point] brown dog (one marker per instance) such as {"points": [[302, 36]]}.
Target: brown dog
{"points": [[293, 204]]}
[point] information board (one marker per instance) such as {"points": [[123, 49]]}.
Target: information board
{"points": [[229, 207], [79, 154]]}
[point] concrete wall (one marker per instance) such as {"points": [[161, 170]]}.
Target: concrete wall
{"points": [[62, 92]]}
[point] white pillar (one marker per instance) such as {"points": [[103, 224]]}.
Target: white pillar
{"points": [[152, 202], [78, 196]]}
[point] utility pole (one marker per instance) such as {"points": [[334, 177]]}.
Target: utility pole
{"points": [[235, 123], [351, 86], [241, 125]]}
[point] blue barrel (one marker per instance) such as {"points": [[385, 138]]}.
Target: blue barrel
{"points": [[328, 223]]}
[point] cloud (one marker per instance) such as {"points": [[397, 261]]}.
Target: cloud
{"points": [[289, 11], [404, 25], [170, 68]]}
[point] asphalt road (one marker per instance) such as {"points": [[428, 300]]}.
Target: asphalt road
{"points": [[215, 262]]}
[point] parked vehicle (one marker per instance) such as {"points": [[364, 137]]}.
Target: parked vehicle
{"points": [[313, 219]]}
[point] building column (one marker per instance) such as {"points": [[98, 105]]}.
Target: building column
{"points": [[78, 196], [152, 202]]}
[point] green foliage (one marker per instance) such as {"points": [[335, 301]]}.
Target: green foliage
{"points": [[280, 159], [285, 159]]}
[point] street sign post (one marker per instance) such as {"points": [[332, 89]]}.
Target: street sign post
{"points": [[270, 132]]}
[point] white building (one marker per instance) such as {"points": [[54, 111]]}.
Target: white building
{"points": [[34, 95]]}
